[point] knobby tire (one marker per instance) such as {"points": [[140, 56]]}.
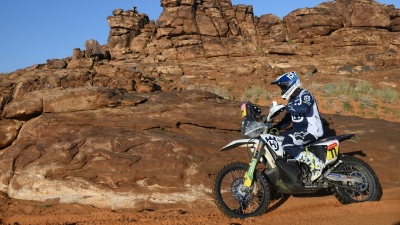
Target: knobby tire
{"points": [[369, 190], [226, 195]]}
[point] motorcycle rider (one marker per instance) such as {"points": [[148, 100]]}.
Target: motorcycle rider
{"points": [[302, 112]]}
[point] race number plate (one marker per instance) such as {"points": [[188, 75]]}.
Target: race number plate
{"points": [[332, 151]]}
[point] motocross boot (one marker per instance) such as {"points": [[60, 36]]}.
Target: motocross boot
{"points": [[316, 165]]}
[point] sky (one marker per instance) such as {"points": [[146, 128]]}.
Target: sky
{"points": [[33, 31]]}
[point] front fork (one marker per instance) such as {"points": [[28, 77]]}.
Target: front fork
{"points": [[249, 175]]}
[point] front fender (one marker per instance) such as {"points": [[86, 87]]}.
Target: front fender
{"points": [[239, 143]]}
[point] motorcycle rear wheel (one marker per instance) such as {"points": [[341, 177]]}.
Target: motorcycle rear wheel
{"points": [[368, 190], [232, 199]]}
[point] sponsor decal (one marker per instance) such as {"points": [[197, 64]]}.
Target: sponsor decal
{"points": [[273, 144], [300, 135], [250, 173], [335, 175], [243, 110]]}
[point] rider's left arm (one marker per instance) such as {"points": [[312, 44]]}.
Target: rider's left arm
{"points": [[284, 123]]}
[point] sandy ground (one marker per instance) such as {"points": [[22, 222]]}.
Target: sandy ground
{"points": [[287, 210]]}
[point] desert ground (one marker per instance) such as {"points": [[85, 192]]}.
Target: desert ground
{"points": [[324, 209]]}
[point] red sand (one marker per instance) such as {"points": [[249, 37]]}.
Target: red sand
{"points": [[295, 210]]}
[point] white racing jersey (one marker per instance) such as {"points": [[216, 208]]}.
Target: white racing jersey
{"points": [[302, 111]]}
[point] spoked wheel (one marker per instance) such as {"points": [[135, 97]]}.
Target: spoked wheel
{"points": [[367, 188], [236, 200]]}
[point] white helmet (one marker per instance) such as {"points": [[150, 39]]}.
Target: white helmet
{"points": [[288, 83]]}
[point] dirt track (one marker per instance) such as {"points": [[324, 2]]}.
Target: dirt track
{"points": [[290, 210]]}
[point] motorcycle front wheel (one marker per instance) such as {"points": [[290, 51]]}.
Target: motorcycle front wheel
{"points": [[368, 189], [233, 198]]}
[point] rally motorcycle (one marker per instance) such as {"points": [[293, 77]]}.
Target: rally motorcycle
{"points": [[244, 190]]}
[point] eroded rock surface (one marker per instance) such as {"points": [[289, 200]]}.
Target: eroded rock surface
{"points": [[114, 149]]}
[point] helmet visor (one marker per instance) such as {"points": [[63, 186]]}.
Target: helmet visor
{"points": [[284, 87]]}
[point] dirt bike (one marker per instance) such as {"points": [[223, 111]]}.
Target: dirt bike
{"points": [[244, 190]]}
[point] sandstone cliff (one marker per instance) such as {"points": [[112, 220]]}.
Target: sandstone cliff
{"points": [[119, 125]]}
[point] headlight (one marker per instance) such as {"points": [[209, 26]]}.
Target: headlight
{"points": [[253, 129]]}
